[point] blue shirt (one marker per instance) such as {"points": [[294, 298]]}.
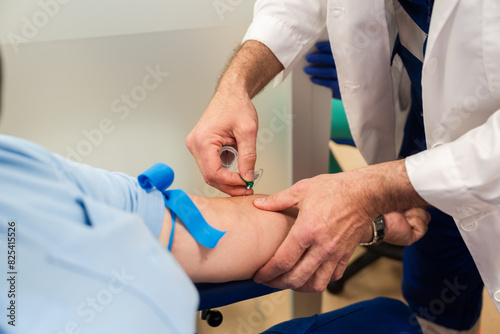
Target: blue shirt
{"points": [[87, 257], [414, 138]]}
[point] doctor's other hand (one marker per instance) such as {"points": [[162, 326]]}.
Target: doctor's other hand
{"points": [[405, 228], [322, 68], [230, 119], [335, 214]]}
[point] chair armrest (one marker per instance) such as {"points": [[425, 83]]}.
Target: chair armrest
{"points": [[220, 294]]}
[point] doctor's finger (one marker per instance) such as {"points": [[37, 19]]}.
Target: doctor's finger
{"points": [[207, 158], [280, 201], [233, 190], [322, 72], [247, 151], [212, 171], [423, 215], [285, 258], [324, 46], [311, 274], [321, 59], [230, 183], [320, 279], [340, 267], [419, 220]]}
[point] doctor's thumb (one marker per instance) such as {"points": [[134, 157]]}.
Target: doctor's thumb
{"points": [[246, 160], [277, 202]]}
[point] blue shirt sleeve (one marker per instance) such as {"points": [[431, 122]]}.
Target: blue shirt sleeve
{"points": [[86, 260], [115, 189]]}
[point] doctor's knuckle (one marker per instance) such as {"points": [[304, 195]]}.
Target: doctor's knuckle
{"points": [[189, 142], [250, 156], [283, 264], [320, 286], [248, 129], [318, 229], [323, 254], [306, 238], [296, 282], [209, 178], [196, 139], [300, 186], [330, 248]]}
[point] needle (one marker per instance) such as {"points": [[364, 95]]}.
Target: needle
{"points": [[248, 188], [249, 185]]}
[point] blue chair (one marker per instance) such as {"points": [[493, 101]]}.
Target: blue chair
{"points": [[214, 295], [380, 315]]}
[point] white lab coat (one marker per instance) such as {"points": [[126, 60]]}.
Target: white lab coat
{"points": [[460, 172]]}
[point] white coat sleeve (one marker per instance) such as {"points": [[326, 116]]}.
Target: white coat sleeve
{"points": [[461, 178], [288, 28]]}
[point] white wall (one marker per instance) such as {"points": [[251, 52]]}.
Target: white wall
{"points": [[69, 65]]}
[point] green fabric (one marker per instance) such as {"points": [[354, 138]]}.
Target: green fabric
{"points": [[333, 166], [339, 127], [339, 130]]}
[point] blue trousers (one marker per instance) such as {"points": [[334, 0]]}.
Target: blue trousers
{"points": [[440, 280], [377, 316]]}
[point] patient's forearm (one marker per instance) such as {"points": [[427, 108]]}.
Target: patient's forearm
{"points": [[252, 238], [254, 235]]}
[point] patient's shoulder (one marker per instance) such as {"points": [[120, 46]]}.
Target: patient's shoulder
{"points": [[14, 149]]}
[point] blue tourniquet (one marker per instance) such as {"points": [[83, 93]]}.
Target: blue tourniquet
{"points": [[161, 176]]}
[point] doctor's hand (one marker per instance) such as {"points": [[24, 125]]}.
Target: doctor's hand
{"points": [[230, 119], [335, 214]]}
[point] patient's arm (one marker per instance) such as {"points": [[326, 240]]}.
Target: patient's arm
{"points": [[252, 238], [254, 235]]}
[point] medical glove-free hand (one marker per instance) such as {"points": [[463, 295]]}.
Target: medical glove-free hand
{"points": [[230, 119], [335, 213]]}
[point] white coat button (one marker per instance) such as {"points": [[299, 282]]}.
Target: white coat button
{"points": [[337, 11], [465, 211], [468, 226], [469, 211], [496, 296], [431, 66]]}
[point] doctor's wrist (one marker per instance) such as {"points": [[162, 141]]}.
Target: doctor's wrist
{"points": [[391, 189], [250, 69]]}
